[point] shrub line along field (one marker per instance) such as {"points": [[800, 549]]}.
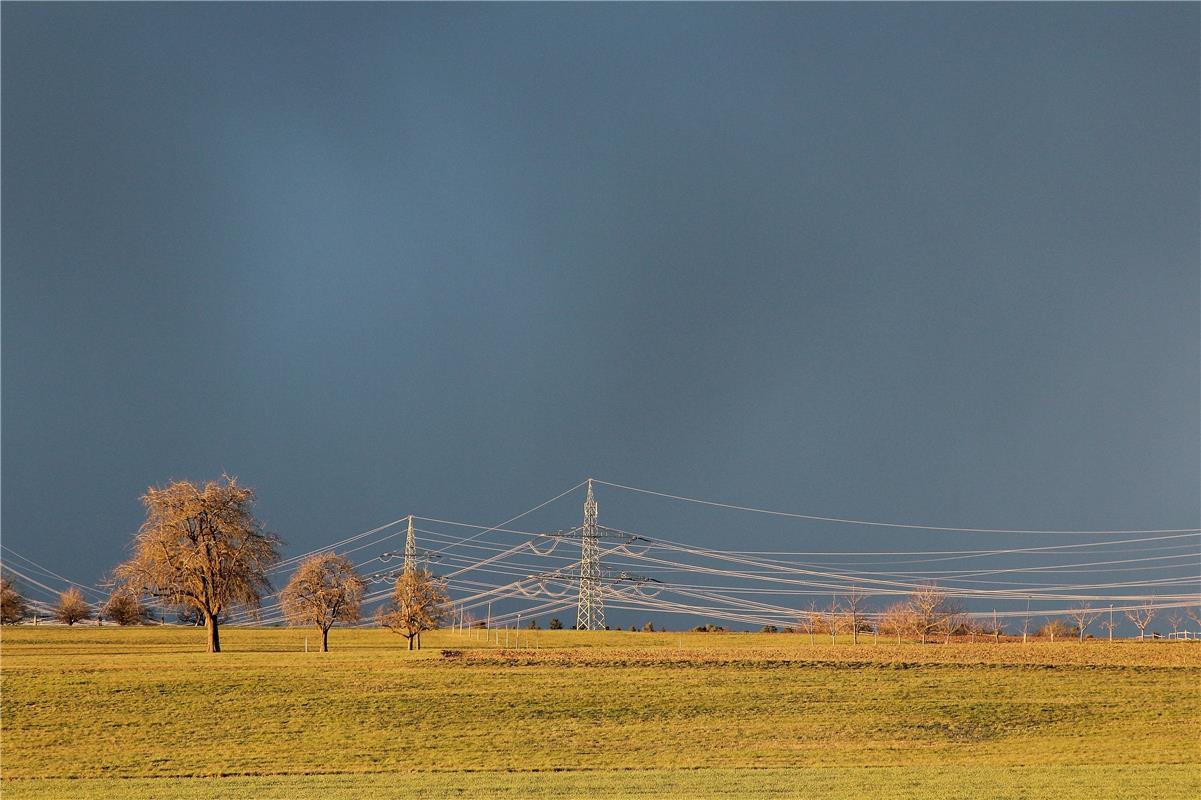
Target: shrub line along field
{"points": [[140, 712]]}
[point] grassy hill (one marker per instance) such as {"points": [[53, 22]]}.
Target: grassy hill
{"points": [[113, 713]]}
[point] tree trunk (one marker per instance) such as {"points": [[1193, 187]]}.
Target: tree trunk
{"points": [[214, 636], [325, 640], [411, 642]]}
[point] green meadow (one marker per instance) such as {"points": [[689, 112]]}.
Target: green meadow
{"points": [[142, 712]]}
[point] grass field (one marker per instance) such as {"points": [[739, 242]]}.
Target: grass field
{"points": [[117, 713]]}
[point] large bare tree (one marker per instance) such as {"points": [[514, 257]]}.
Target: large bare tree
{"points": [[325, 589], [13, 606], [202, 548], [418, 604], [72, 607]]}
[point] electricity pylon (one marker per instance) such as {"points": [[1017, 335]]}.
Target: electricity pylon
{"points": [[413, 558], [590, 608], [410, 549]]}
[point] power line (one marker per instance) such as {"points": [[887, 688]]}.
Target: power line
{"points": [[944, 528]]}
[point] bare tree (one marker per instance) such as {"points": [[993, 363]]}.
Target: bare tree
{"points": [[1194, 614], [1175, 620], [125, 608], [898, 620], [976, 627], [1054, 627], [1109, 626], [1082, 615], [201, 547], [72, 607], [325, 589], [852, 604], [418, 604], [932, 611], [809, 621], [954, 620], [832, 619], [996, 627], [13, 606], [1141, 617]]}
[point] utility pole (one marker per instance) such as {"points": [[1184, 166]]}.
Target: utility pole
{"points": [[590, 611], [1026, 624]]}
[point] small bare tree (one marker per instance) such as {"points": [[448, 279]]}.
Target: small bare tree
{"points": [[1175, 620], [125, 608], [976, 627], [1082, 615], [325, 589], [418, 604], [1109, 626], [13, 606], [832, 619], [201, 547], [810, 622], [72, 607], [852, 603], [1141, 617], [897, 620], [1055, 627], [954, 620]]}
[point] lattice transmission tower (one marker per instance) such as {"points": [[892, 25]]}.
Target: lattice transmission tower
{"points": [[590, 608], [410, 549], [413, 558], [590, 611]]}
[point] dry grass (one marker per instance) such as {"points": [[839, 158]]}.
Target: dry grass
{"points": [[116, 707]]}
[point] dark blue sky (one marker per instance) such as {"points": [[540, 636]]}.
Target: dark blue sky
{"points": [[926, 263]]}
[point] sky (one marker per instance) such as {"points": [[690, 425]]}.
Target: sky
{"points": [[932, 264]]}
